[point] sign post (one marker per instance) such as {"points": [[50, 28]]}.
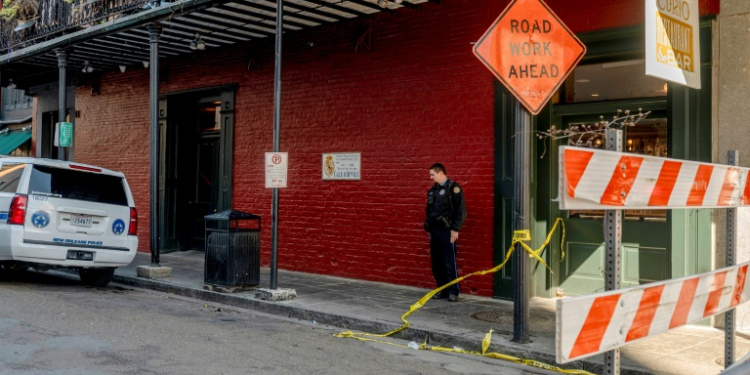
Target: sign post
{"points": [[732, 159], [613, 256], [531, 52]]}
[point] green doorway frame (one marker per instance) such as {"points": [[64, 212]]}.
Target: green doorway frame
{"points": [[690, 138], [226, 94]]}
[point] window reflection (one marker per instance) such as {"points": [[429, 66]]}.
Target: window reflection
{"points": [[647, 137], [612, 81]]}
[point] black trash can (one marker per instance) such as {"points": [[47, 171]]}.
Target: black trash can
{"points": [[232, 249]]}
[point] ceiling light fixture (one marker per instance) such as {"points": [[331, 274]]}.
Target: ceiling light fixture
{"points": [[87, 68], [11, 84], [122, 68], [382, 3], [145, 64], [197, 43]]}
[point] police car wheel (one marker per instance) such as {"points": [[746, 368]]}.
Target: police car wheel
{"points": [[96, 276], [11, 271]]}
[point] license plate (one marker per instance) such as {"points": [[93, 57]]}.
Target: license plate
{"points": [[80, 255], [83, 221]]}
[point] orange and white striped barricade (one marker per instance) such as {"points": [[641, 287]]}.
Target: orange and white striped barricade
{"points": [[596, 323], [608, 180], [598, 179]]}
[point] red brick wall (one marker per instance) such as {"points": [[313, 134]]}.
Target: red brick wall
{"points": [[419, 97]]}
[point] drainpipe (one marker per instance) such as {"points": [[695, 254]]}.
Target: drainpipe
{"points": [[154, 31], [62, 64]]}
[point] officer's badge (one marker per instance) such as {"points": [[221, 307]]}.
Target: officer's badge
{"points": [[456, 190], [329, 166], [442, 191]]}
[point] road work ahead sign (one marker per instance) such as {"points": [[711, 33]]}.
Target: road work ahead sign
{"points": [[530, 51], [672, 43]]}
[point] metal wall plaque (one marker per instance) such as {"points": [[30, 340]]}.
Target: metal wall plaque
{"points": [[342, 166]]}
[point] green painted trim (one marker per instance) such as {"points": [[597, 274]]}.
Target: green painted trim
{"points": [[544, 210], [503, 189], [650, 104], [630, 43], [217, 90], [226, 153], [691, 113]]}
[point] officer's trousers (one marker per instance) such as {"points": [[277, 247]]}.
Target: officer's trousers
{"points": [[443, 254]]}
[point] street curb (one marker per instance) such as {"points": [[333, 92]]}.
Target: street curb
{"points": [[364, 325]]}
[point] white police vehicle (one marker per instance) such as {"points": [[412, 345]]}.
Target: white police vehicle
{"points": [[55, 213]]}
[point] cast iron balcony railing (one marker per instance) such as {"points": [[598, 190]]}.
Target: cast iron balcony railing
{"points": [[46, 19]]}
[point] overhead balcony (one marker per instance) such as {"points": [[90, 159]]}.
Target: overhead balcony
{"points": [[27, 22], [112, 35]]}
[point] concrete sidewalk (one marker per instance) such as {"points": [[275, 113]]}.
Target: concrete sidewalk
{"points": [[377, 308]]}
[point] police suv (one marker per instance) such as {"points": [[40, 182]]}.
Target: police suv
{"points": [[55, 213]]}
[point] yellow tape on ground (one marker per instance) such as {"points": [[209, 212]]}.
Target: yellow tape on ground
{"points": [[485, 345], [518, 238]]}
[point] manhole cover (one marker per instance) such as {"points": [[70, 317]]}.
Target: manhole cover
{"points": [[504, 317]]}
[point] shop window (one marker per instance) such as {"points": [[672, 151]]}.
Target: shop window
{"points": [[612, 81], [647, 137], [13, 99]]}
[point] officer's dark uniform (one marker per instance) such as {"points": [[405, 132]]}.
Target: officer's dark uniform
{"points": [[446, 211]]}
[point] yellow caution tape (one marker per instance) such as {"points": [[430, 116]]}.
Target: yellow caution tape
{"points": [[485, 345], [522, 235], [549, 238], [518, 238]]}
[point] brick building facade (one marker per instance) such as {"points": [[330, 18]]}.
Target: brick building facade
{"points": [[418, 97]]}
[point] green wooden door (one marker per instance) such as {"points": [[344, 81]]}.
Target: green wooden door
{"points": [[646, 233]]}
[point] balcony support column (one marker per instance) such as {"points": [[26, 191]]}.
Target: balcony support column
{"points": [[154, 270], [62, 101]]}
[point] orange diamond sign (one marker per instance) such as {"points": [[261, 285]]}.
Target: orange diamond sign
{"points": [[530, 51]]}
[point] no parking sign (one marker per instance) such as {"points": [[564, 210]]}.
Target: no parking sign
{"points": [[276, 169]]}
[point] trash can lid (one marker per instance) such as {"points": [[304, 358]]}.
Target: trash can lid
{"points": [[231, 215]]}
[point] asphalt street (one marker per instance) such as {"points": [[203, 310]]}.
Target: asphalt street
{"points": [[52, 325]]}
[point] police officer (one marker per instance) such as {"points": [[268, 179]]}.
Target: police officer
{"points": [[446, 212]]}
